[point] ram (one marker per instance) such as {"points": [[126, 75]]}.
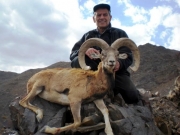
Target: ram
{"points": [[74, 86]]}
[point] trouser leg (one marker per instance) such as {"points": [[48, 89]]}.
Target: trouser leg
{"points": [[127, 89]]}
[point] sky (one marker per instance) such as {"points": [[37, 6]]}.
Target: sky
{"points": [[38, 33]]}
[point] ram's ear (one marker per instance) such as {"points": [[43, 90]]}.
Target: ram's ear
{"points": [[123, 56], [96, 55]]}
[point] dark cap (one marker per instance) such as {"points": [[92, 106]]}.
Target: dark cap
{"points": [[101, 6]]}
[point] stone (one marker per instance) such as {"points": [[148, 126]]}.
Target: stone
{"points": [[125, 119]]}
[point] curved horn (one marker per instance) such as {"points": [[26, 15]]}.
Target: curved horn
{"points": [[132, 46], [86, 45]]}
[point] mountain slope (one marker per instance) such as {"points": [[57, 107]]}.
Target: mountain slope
{"points": [[158, 69]]}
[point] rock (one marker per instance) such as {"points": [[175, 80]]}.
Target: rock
{"points": [[125, 119], [24, 120], [167, 115], [137, 120], [10, 132]]}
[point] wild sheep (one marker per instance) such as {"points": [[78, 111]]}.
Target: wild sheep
{"points": [[176, 91], [70, 86]]}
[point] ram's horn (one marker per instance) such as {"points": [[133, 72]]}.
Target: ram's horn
{"points": [[132, 46], [86, 45]]}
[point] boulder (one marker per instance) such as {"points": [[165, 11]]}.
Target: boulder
{"points": [[125, 119]]}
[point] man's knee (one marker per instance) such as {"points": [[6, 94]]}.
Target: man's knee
{"points": [[92, 63], [132, 97], [75, 63]]}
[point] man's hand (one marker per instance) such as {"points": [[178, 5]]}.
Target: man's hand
{"points": [[91, 51], [117, 66]]}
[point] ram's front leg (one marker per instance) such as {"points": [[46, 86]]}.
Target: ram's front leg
{"points": [[75, 109], [102, 107]]}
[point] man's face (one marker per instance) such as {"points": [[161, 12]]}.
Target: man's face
{"points": [[102, 18]]}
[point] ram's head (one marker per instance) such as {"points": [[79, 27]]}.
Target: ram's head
{"points": [[109, 54]]}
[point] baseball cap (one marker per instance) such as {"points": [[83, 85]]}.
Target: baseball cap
{"points": [[102, 6]]}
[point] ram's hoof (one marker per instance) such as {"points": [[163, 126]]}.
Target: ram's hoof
{"points": [[43, 130], [50, 130], [39, 115]]}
